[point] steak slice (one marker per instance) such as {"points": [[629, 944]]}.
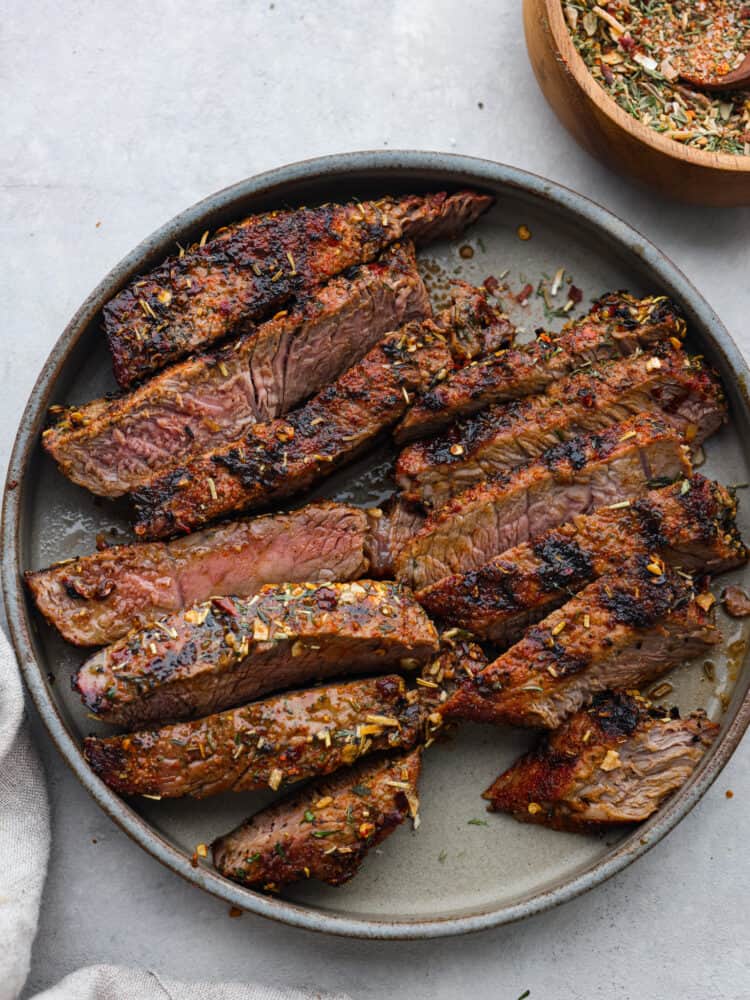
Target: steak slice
{"points": [[271, 743], [615, 762], [112, 446], [621, 631], [253, 268], [683, 391], [390, 529], [283, 457], [228, 650], [690, 523], [475, 327], [457, 660], [618, 324], [572, 478], [324, 831], [98, 598]]}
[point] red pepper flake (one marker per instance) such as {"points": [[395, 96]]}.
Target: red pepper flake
{"points": [[575, 294], [607, 73], [627, 42], [225, 604], [12, 484], [491, 284], [523, 296]]}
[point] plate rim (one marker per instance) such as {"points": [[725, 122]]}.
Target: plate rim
{"points": [[377, 164]]}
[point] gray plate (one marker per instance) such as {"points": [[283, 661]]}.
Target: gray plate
{"points": [[451, 876]]}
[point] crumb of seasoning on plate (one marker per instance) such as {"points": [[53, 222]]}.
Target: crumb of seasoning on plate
{"points": [[729, 793], [637, 50], [466, 251], [523, 233], [736, 602], [235, 911]]}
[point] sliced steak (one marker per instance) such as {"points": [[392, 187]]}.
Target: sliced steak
{"points": [[572, 478], [227, 651], [96, 599], [683, 391], [283, 457], [390, 529], [267, 744], [614, 763], [475, 327], [617, 325], [621, 631], [457, 660], [112, 446], [691, 523], [324, 831], [253, 268]]}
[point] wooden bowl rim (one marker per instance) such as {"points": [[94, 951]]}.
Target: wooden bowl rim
{"points": [[607, 104]]}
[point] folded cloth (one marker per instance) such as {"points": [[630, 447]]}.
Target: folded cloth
{"points": [[110, 982], [24, 852], [24, 831]]}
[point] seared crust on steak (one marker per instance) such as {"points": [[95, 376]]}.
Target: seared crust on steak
{"points": [[621, 631], [112, 446], [574, 477], [283, 457], [228, 650], [685, 392], [690, 523], [324, 831], [251, 268], [270, 743], [618, 324], [615, 762], [475, 327], [459, 658], [98, 598]]}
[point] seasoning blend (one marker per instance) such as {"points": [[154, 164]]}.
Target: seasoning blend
{"points": [[638, 51]]}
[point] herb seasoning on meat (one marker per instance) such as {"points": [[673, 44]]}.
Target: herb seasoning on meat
{"points": [[638, 51]]}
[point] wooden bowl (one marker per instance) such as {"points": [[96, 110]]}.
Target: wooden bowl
{"points": [[614, 136]]}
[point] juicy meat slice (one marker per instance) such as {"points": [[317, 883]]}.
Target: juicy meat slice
{"points": [[254, 267], [617, 325], [683, 391], [228, 650], [271, 743], [324, 831], [690, 523], [457, 660], [390, 529], [475, 327], [112, 446], [615, 762], [98, 598], [282, 457], [575, 477], [621, 631]]}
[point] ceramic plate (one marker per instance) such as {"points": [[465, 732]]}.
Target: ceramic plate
{"points": [[452, 875]]}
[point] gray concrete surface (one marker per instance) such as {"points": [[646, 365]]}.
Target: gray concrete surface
{"points": [[114, 117]]}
